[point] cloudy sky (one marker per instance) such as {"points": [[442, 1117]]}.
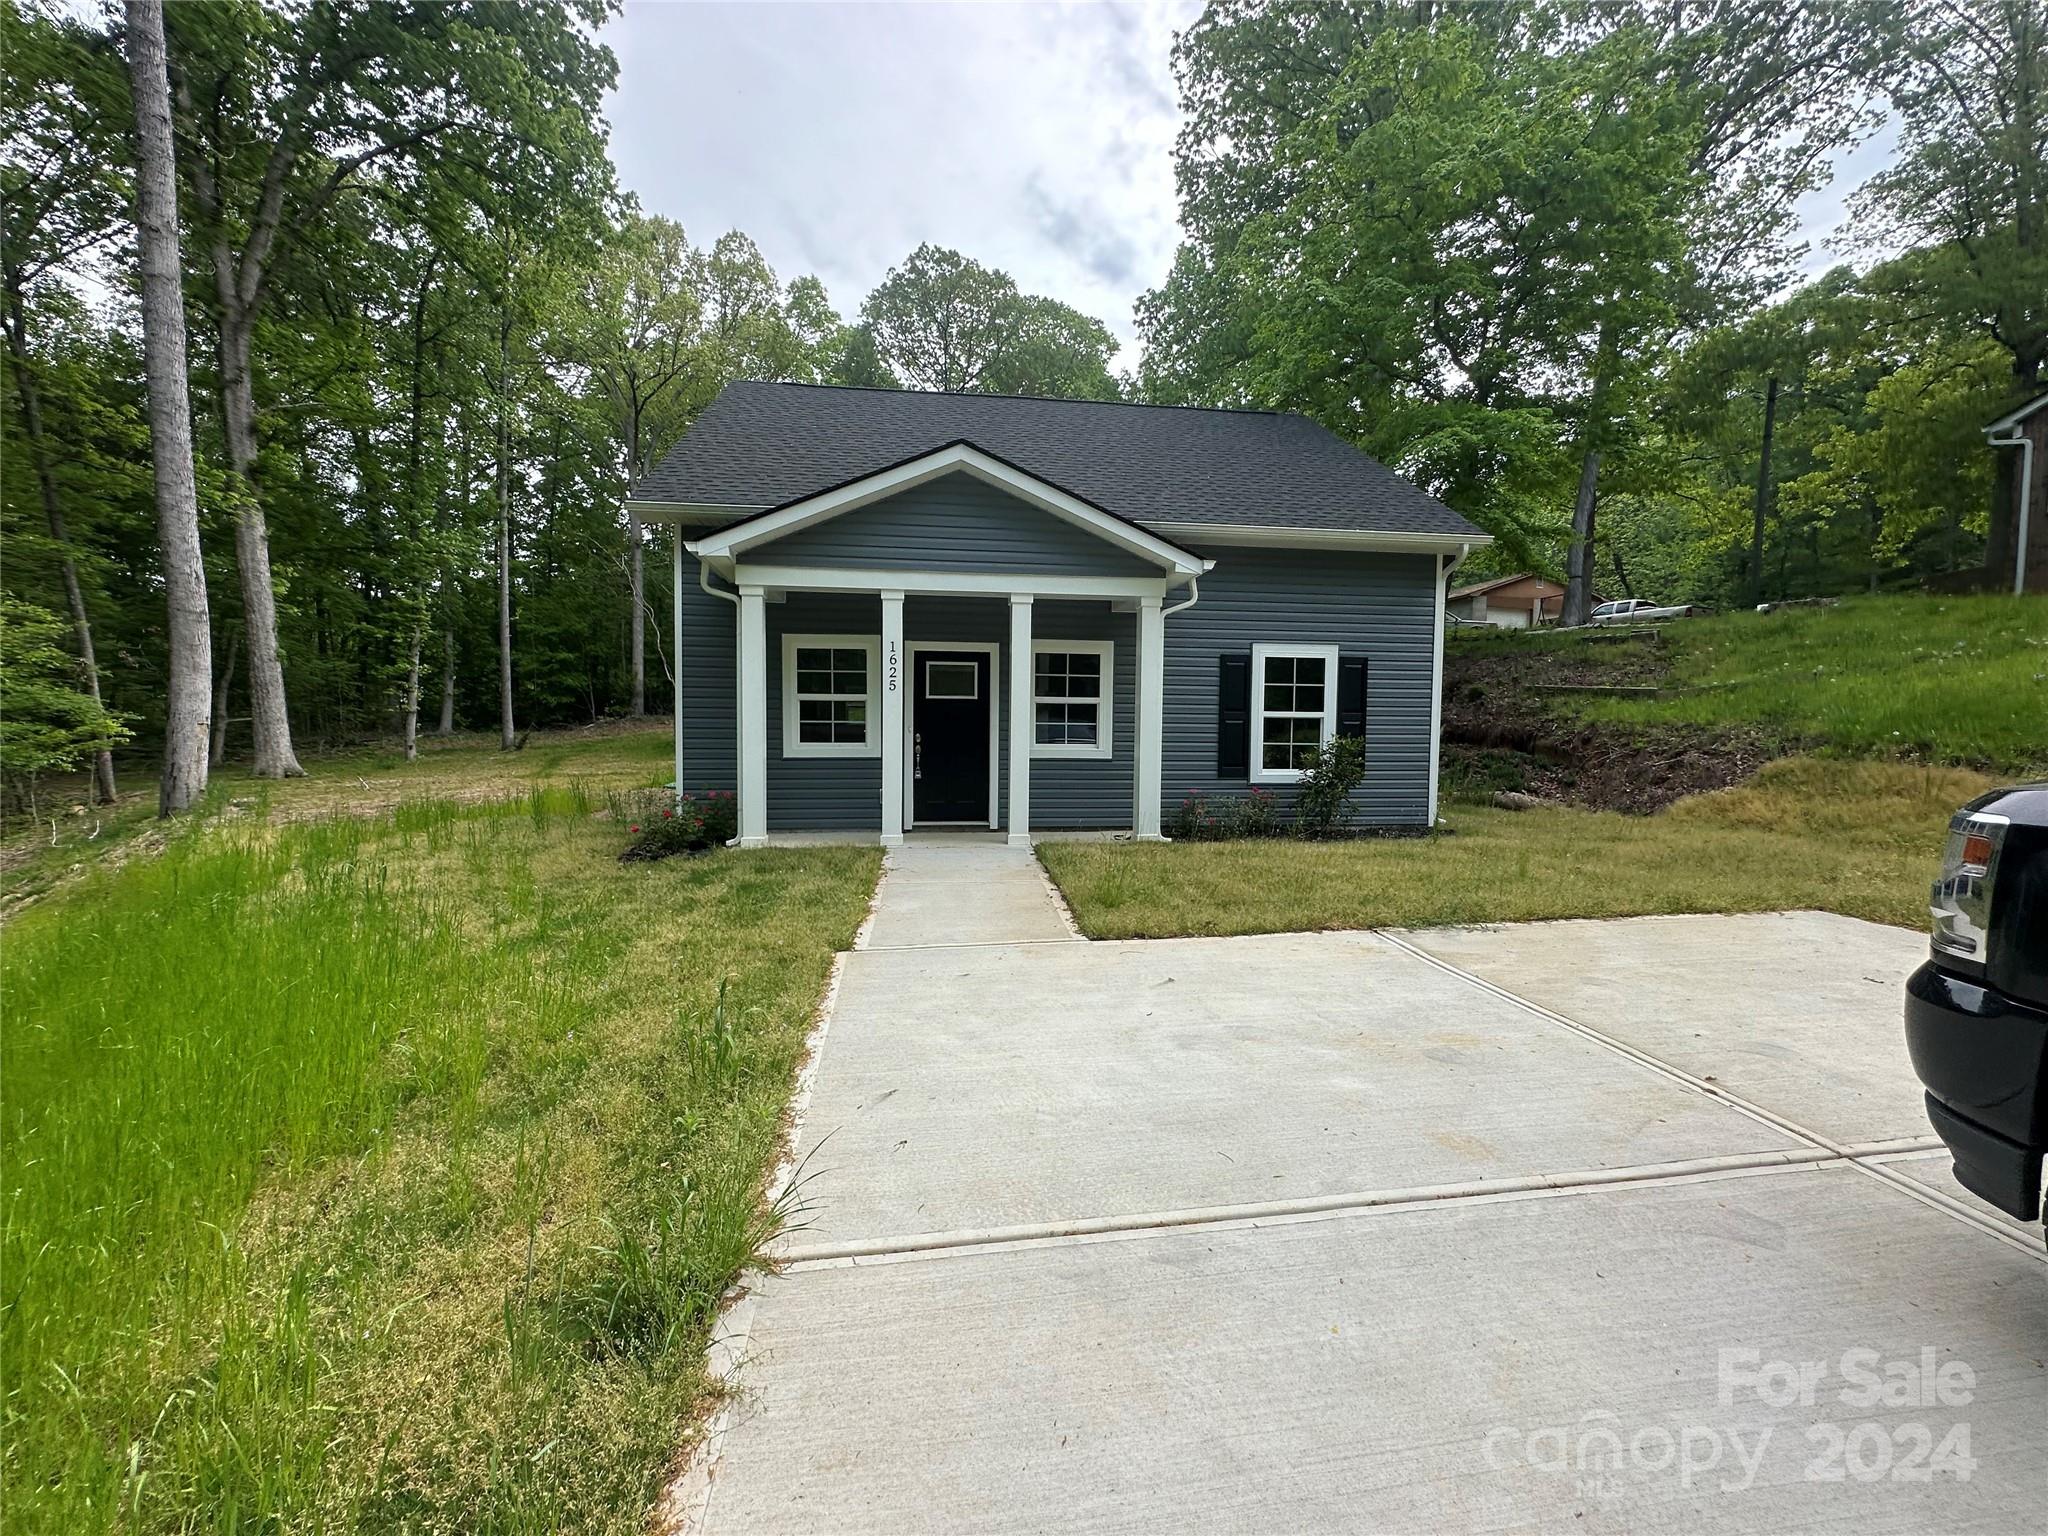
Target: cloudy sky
{"points": [[1033, 137]]}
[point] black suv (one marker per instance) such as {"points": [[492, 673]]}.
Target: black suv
{"points": [[1977, 1011]]}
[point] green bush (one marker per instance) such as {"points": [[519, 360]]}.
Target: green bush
{"points": [[1334, 771], [47, 725]]}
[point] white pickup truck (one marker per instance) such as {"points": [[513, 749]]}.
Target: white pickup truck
{"points": [[1636, 610]]}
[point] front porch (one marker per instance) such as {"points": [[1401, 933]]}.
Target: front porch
{"points": [[867, 709], [948, 641]]}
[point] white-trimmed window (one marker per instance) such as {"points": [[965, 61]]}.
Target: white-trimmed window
{"points": [[1071, 685], [831, 696], [1294, 708]]}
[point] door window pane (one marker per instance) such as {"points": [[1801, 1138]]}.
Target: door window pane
{"points": [[952, 680]]}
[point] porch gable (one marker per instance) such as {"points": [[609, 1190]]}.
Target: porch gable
{"points": [[957, 522], [724, 547]]}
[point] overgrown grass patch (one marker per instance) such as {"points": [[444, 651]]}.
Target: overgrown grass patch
{"points": [[384, 1173], [1860, 838], [1950, 679], [364, 781]]}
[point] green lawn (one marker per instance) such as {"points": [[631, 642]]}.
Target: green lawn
{"points": [[383, 1172], [1950, 679], [1859, 838]]}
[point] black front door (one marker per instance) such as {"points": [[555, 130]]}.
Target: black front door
{"points": [[949, 737]]}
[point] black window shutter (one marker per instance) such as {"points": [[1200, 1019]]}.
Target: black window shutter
{"points": [[1233, 717], [1351, 696]]}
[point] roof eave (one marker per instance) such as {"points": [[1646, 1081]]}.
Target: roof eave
{"points": [[1381, 541], [2014, 417], [710, 513]]}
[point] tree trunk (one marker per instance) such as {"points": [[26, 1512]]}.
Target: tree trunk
{"points": [[1578, 589], [507, 736], [1764, 495], [412, 694], [1620, 571], [268, 717], [639, 705], [447, 727], [53, 511], [639, 576], [190, 681], [219, 752]]}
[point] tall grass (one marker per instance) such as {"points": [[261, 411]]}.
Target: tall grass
{"points": [[1953, 679], [293, 1116]]}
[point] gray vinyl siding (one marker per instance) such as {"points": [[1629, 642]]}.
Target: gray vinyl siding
{"points": [[953, 523], [710, 697], [1382, 607], [844, 794]]}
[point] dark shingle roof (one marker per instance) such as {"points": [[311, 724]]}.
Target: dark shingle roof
{"points": [[761, 445]]}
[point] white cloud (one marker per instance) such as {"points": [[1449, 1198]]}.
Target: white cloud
{"points": [[1036, 138]]}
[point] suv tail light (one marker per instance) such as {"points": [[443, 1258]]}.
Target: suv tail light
{"points": [[1961, 899]]}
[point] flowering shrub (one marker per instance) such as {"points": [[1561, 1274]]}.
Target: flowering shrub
{"points": [[1200, 819], [661, 824]]}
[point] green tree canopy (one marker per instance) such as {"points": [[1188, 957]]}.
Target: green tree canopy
{"points": [[944, 321]]}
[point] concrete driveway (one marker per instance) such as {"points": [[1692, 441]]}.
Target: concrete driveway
{"points": [[1607, 1226]]}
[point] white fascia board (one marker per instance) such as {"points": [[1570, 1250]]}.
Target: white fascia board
{"points": [[959, 457], [1255, 536], [2015, 417], [815, 578], [685, 511]]}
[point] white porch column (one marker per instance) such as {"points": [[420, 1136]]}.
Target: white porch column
{"points": [[1151, 717], [676, 658], [1020, 720], [753, 717], [893, 662]]}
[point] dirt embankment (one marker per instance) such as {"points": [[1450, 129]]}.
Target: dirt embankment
{"points": [[1502, 729]]}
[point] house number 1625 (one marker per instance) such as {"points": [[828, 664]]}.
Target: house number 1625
{"points": [[892, 666]]}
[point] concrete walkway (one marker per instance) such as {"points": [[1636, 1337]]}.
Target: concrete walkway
{"points": [[964, 888], [1370, 1231]]}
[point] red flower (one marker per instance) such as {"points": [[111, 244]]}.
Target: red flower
{"points": [[632, 829], [665, 815]]}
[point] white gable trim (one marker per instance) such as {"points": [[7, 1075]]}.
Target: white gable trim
{"points": [[962, 458]]}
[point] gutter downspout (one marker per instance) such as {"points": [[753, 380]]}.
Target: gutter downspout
{"points": [[2022, 441], [676, 592], [1194, 596], [1444, 567], [704, 581]]}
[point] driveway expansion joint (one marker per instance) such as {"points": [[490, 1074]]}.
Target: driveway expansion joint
{"points": [[1940, 1201], [1350, 1203]]}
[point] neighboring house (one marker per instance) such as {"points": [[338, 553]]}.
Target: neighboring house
{"points": [[1509, 602], [2024, 433], [900, 609]]}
